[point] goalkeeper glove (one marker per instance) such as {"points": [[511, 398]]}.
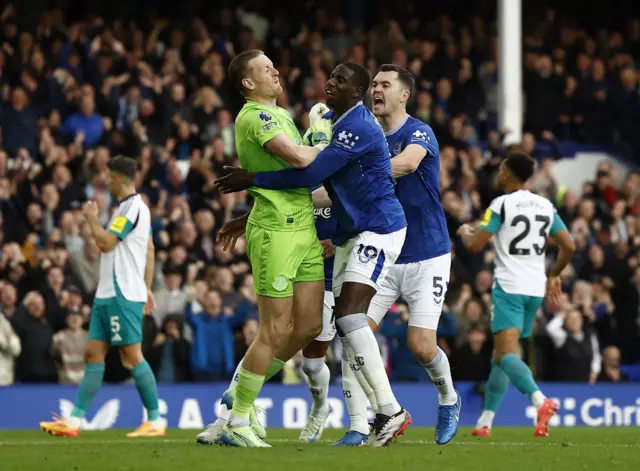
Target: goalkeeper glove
{"points": [[319, 132]]}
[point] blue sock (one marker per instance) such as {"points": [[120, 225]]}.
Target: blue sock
{"points": [[496, 387], [519, 374], [88, 388], [147, 388]]}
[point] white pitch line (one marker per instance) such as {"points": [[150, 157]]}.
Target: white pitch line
{"points": [[72, 442]]}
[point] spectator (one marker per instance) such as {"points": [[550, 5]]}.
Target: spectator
{"points": [[172, 298], [577, 356], [172, 352], [9, 350], [35, 363], [472, 361], [611, 367], [68, 348], [212, 350]]}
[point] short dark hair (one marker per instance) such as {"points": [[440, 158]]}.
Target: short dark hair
{"points": [[521, 165], [125, 166], [360, 77], [239, 66], [406, 78]]}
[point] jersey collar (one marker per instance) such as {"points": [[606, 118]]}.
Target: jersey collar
{"points": [[398, 127], [347, 112], [127, 198]]}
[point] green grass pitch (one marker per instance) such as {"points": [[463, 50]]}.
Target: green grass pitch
{"points": [[510, 449]]}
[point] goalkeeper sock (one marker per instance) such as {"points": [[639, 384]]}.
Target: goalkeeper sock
{"points": [[249, 385], [318, 375], [147, 388], [520, 376], [274, 368], [355, 397], [87, 390]]}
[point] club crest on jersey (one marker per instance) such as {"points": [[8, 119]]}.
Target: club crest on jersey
{"points": [[397, 148], [264, 116], [280, 283], [419, 136], [347, 139]]}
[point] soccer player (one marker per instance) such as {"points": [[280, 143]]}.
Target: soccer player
{"points": [[421, 273], [126, 274], [521, 222], [282, 246], [370, 227], [313, 355]]}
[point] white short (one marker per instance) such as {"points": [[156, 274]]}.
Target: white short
{"points": [[328, 319], [366, 259], [423, 285]]}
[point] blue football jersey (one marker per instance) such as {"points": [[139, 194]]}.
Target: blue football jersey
{"points": [[419, 194], [362, 191], [325, 226]]}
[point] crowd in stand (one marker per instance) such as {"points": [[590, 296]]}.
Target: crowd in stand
{"points": [[80, 86]]}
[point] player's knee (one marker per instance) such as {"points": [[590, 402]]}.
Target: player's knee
{"points": [[312, 329], [94, 353], [423, 349], [130, 357], [423, 344], [276, 334], [92, 356]]}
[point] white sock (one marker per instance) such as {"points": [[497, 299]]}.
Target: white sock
{"points": [[364, 347], [355, 398], [236, 375], [440, 373], [319, 376], [537, 399], [356, 372], [224, 415], [237, 422], [158, 423], [73, 421], [486, 419]]}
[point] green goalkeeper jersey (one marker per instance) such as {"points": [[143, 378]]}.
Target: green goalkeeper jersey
{"points": [[282, 210]]}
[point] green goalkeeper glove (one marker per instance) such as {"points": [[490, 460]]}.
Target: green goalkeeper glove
{"points": [[319, 132]]}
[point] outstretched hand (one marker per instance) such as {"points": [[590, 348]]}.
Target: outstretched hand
{"points": [[236, 179], [231, 232]]}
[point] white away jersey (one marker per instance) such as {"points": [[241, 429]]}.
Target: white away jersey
{"points": [[125, 264], [521, 222]]}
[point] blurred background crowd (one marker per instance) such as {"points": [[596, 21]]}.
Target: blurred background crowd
{"points": [[83, 81]]}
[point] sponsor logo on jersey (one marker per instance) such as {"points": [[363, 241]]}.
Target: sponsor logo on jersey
{"points": [[324, 213], [347, 140], [269, 126], [420, 136], [264, 116]]}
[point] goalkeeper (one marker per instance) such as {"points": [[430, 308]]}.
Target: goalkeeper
{"points": [[282, 246]]}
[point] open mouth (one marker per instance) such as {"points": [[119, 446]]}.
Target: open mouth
{"points": [[329, 92], [378, 101]]}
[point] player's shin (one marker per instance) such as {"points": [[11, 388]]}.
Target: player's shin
{"points": [[356, 335], [87, 389], [521, 377], [274, 331], [356, 372], [147, 388], [318, 374], [495, 389], [354, 397]]}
